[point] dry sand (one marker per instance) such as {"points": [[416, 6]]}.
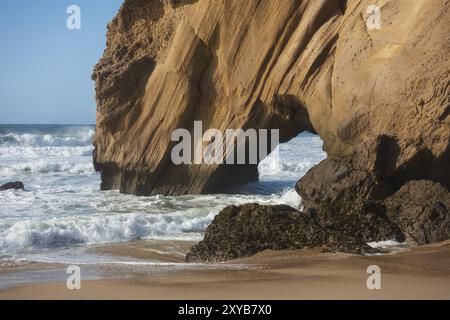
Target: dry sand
{"points": [[421, 273]]}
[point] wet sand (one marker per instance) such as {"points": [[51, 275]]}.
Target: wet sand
{"points": [[166, 251], [420, 273]]}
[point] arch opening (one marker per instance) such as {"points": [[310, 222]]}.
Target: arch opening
{"points": [[280, 170]]}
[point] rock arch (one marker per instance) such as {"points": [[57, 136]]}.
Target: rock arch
{"points": [[379, 99]]}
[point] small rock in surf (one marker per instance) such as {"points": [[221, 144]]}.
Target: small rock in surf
{"points": [[12, 185]]}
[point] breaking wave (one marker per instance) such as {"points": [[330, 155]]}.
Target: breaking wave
{"points": [[44, 167], [81, 137], [63, 150], [63, 232]]}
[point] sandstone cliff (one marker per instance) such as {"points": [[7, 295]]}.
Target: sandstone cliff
{"points": [[380, 99]]}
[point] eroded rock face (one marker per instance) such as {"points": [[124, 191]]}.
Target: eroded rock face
{"points": [[246, 230], [422, 210], [380, 99]]}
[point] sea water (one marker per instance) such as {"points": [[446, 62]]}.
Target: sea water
{"points": [[62, 210]]}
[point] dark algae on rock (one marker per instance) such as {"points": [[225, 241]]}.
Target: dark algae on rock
{"points": [[252, 228], [248, 229], [12, 185]]}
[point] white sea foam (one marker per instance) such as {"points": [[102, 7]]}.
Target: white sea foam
{"points": [[80, 137], [15, 152], [387, 244], [43, 166], [295, 159], [291, 197], [126, 218], [61, 232]]}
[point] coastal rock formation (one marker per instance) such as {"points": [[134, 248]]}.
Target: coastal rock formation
{"points": [[422, 210], [379, 98], [12, 185], [334, 183], [248, 229]]}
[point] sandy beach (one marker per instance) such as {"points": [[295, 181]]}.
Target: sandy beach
{"points": [[225, 150], [419, 273]]}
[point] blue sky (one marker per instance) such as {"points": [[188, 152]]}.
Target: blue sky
{"points": [[45, 69]]}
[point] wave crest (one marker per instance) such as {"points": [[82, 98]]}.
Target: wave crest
{"points": [[47, 167], [58, 233], [81, 137]]}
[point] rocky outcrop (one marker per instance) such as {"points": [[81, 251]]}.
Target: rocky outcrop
{"points": [[249, 229], [378, 98], [342, 217], [12, 185], [246, 230], [336, 218], [336, 195], [422, 210], [333, 182]]}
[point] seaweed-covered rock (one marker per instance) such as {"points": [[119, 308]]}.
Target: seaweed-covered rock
{"points": [[249, 229], [362, 220], [252, 228]]}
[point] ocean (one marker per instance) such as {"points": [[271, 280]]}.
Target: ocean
{"points": [[62, 212]]}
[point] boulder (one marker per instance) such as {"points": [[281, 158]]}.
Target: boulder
{"points": [[333, 181], [422, 210], [337, 196], [248, 229], [12, 185]]}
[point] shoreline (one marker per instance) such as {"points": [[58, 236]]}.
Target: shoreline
{"points": [[420, 273]]}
